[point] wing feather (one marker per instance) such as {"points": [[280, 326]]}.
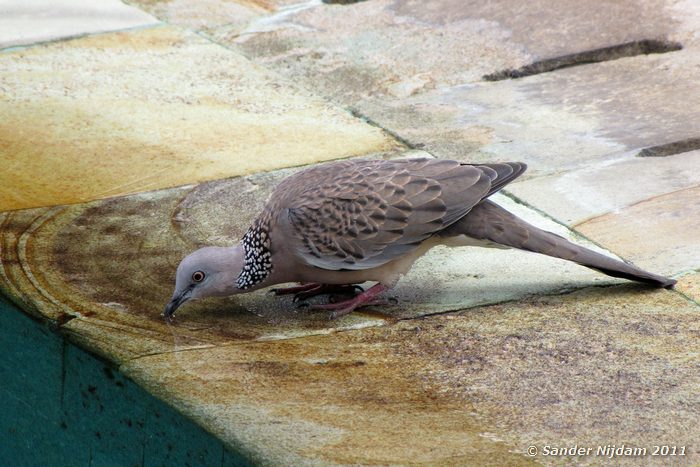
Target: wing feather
{"points": [[362, 214]]}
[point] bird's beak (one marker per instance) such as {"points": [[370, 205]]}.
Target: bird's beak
{"points": [[175, 302]]}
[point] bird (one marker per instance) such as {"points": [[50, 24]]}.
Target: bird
{"points": [[336, 225]]}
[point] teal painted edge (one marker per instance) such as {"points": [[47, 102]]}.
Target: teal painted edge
{"points": [[60, 405]]}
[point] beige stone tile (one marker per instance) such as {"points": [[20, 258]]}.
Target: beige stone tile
{"points": [[575, 196], [30, 21], [604, 366], [126, 112], [659, 233]]}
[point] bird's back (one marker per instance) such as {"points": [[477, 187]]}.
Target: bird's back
{"points": [[361, 214]]}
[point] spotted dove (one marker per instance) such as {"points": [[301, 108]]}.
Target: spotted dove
{"points": [[336, 225]]}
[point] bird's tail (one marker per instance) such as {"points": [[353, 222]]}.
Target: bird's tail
{"points": [[490, 222]]}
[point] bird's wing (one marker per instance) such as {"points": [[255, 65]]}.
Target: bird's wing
{"points": [[362, 214]]}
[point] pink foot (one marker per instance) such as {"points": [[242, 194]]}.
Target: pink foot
{"points": [[366, 298]]}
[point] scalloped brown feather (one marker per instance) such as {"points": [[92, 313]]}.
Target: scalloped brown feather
{"points": [[362, 214]]}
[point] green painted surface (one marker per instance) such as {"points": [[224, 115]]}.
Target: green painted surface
{"points": [[62, 406]]}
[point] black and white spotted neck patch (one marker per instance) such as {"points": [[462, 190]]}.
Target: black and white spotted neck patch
{"points": [[256, 261]]}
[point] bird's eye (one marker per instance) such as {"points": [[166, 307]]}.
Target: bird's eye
{"points": [[198, 276]]}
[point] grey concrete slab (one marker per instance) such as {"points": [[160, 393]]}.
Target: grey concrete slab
{"points": [[27, 22], [557, 121], [387, 48], [418, 70]]}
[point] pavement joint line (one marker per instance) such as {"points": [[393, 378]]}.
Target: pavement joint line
{"points": [[687, 297], [670, 149], [388, 322], [173, 351], [636, 203], [357, 114], [587, 57], [342, 2], [17, 48], [352, 111]]}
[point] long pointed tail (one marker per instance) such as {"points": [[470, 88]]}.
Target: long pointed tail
{"points": [[488, 221]]}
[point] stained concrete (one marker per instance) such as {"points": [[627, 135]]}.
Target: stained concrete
{"points": [[602, 366]]}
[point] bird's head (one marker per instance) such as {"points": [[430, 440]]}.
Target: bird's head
{"points": [[208, 272]]}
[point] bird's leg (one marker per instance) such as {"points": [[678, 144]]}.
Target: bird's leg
{"points": [[368, 297]]}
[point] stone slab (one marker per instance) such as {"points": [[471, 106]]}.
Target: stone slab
{"points": [[388, 48], [126, 112], [659, 233], [575, 196], [417, 71], [30, 21], [560, 121], [603, 366]]}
